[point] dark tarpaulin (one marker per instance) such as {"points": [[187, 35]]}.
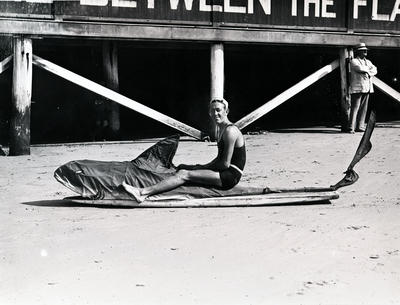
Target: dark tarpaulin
{"points": [[103, 179]]}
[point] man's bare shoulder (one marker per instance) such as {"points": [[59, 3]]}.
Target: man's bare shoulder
{"points": [[232, 132]]}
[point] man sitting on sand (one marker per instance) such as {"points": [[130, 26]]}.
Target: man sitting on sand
{"points": [[224, 171]]}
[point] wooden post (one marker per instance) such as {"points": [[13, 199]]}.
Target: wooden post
{"points": [[344, 84], [110, 68], [217, 79], [20, 133]]}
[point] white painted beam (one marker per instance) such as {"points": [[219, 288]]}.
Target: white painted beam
{"points": [[114, 96], [386, 89], [5, 64], [284, 96]]}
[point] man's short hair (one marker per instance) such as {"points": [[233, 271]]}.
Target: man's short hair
{"points": [[222, 101]]}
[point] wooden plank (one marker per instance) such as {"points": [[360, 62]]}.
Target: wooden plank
{"points": [[5, 64], [345, 96], [232, 201], [289, 93], [386, 89], [114, 96], [20, 132], [110, 71], [171, 32]]}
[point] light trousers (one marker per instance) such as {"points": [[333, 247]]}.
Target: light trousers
{"points": [[358, 111]]}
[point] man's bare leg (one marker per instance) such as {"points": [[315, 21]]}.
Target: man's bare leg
{"points": [[206, 177], [134, 191]]}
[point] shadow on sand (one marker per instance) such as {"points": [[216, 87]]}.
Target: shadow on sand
{"points": [[61, 203]]}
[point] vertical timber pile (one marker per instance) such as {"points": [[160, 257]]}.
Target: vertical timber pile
{"points": [[217, 79], [344, 83], [20, 133], [110, 67]]}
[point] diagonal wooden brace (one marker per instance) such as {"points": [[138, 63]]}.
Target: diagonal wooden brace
{"points": [[5, 64], [386, 89], [114, 96], [284, 96]]}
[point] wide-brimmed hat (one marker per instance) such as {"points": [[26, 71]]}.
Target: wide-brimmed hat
{"points": [[360, 47]]}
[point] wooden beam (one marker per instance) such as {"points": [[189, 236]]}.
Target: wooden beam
{"points": [[51, 28], [20, 132], [114, 96], [281, 98], [5, 64], [110, 70], [386, 89], [217, 80], [344, 86]]}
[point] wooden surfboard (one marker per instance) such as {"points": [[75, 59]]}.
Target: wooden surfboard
{"points": [[230, 201]]}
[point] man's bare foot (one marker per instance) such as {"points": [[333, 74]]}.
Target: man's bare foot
{"points": [[135, 192]]}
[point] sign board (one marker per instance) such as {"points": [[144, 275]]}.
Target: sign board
{"points": [[330, 15]]}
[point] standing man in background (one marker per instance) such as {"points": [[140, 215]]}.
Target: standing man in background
{"points": [[361, 73]]}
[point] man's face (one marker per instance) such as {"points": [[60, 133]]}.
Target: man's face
{"points": [[362, 53], [218, 112]]}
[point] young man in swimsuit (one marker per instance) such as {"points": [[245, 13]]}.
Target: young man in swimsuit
{"points": [[224, 171]]}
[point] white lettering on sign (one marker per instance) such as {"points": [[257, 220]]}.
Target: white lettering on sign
{"points": [[124, 3], [325, 13], [395, 11], [294, 7], [375, 15], [320, 8], [266, 5], [94, 2], [228, 8], [316, 8], [40, 1], [307, 7], [204, 7], [358, 3], [188, 4]]}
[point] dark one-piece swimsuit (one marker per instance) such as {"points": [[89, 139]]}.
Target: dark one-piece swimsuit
{"points": [[231, 176]]}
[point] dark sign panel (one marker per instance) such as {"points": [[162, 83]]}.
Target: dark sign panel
{"points": [[331, 15], [25, 9], [377, 16], [293, 14], [175, 11]]}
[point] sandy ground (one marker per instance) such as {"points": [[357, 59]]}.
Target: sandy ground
{"points": [[346, 252]]}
